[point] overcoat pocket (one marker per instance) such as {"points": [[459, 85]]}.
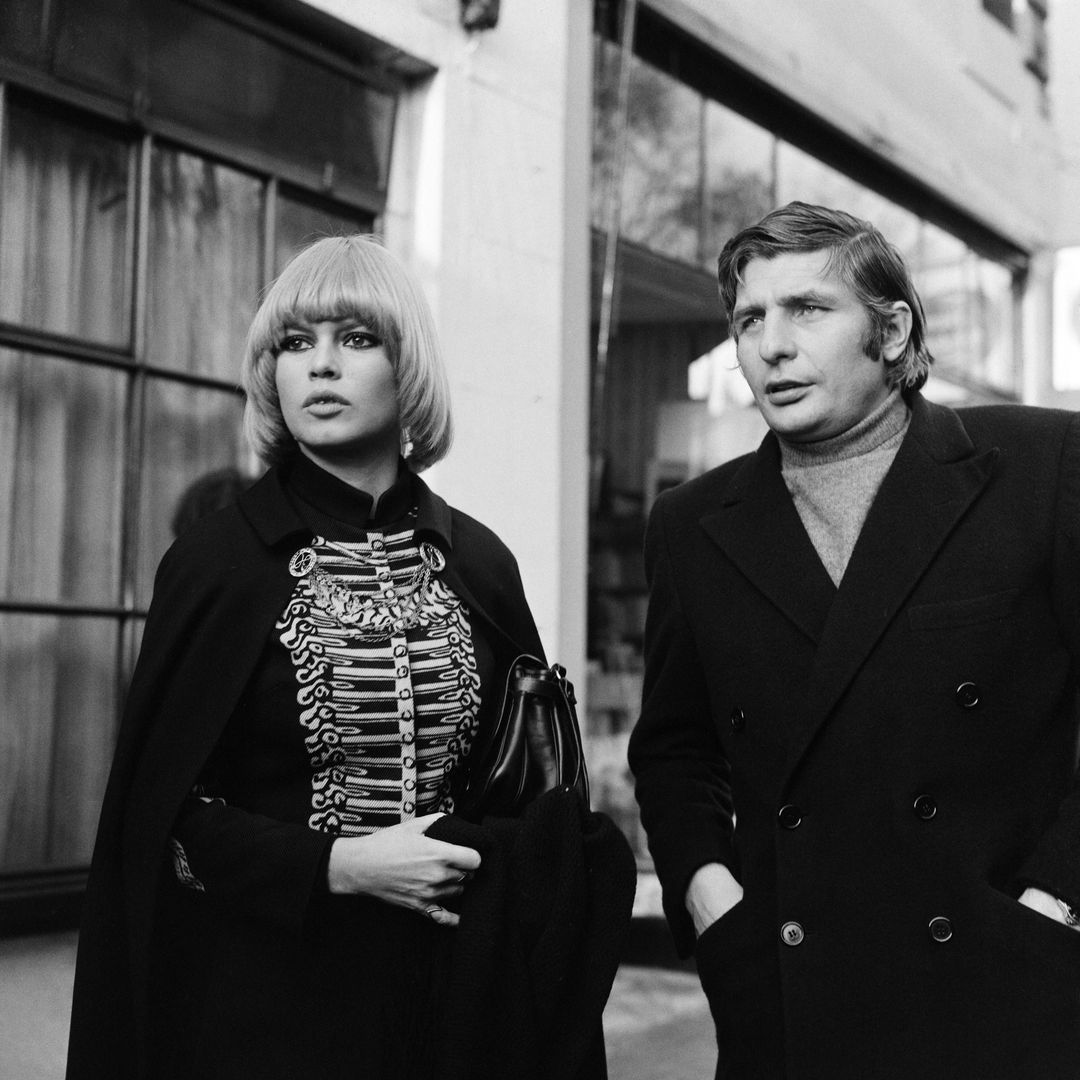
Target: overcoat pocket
{"points": [[968, 612]]}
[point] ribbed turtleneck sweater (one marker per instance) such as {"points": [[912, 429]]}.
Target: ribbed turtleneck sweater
{"points": [[833, 482]]}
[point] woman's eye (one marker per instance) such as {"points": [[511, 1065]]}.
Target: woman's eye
{"points": [[292, 343], [361, 339]]}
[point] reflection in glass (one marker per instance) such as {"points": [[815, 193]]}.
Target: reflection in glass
{"points": [[800, 176], [201, 70], [942, 274], [661, 190], [61, 439], [205, 255], [738, 176], [64, 229], [20, 30], [57, 717], [300, 223], [259, 92], [194, 432], [970, 311], [993, 326], [605, 129]]}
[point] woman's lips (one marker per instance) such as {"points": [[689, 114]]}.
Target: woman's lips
{"points": [[324, 403]]}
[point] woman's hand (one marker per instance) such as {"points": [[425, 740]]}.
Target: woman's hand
{"points": [[402, 866]]}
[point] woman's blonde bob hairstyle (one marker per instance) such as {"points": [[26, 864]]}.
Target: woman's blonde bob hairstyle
{"points": [[350, 277]]}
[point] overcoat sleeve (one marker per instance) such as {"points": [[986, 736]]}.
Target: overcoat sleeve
{"points": [[682, 777]]}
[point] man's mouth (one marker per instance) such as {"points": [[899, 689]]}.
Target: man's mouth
{"points": [[781, 386]]}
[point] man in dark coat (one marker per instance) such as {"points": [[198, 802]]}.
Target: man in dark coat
{"points": [[856, 754]]}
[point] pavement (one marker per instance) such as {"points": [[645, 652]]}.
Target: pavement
{"points": [[657, 1022]]}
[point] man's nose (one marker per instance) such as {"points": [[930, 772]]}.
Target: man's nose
{"points": [[775, 342]]}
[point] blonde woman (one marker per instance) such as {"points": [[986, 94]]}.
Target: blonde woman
{"points": [[318, 663]]}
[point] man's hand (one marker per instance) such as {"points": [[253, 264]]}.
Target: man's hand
{"points": [[402, 866], [1042, 902], [712, 892]]}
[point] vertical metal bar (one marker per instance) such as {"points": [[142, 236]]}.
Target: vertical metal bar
{"points": [[250, 463], [135, 415], [704, 209], [611, 242]]}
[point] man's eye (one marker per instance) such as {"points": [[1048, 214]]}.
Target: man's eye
{"points": [[808, 309], [748, 323], [361, 339]]}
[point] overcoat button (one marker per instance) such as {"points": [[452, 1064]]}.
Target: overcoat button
{"points": [[738, 719], [924, 807], [789, 817], [791, 933], [940, 928], [967, 695]]}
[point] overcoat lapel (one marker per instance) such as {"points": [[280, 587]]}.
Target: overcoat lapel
{"points": [[759, 530], [934, 479]]}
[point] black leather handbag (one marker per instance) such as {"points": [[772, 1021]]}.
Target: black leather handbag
{"points": [[536, 746]]}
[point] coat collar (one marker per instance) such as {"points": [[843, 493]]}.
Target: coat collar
{"points": [[274, 518]]}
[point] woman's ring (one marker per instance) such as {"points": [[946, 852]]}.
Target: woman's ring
{"points": [[430, 911]]}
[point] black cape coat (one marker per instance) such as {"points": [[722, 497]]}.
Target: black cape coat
{"points": [[217, 594], [884, 765]]}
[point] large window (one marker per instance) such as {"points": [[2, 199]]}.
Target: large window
{"points": [[134, 243], [700, 152]]}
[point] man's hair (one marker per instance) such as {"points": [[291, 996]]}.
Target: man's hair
{"points": [[859, 256], [350, 277]]}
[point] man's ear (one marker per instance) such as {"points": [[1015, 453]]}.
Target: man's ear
{"points": [[897, 332]]}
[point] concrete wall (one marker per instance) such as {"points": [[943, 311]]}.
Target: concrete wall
{"points": [[489, 202]]}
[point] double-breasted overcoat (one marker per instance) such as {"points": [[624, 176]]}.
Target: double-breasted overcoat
{"points": [[883, 765]]}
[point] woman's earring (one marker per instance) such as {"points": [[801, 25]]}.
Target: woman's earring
{"points": [[406, 443]]}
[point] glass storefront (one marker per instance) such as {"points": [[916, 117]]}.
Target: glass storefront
{"points": [[695, 171]]}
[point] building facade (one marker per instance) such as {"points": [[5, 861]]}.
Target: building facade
{"points": [[561, 177]]}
